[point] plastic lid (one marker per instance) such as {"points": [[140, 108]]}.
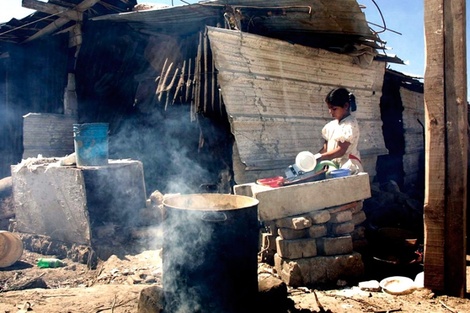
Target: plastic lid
{"points": [[305, 161]]}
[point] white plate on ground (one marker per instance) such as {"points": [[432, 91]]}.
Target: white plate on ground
{"points": [[397, 285]]}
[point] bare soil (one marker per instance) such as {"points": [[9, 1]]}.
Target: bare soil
{"points": [[115, 286]]}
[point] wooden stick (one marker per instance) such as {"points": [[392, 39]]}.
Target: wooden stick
{"points": [[180, 81]]}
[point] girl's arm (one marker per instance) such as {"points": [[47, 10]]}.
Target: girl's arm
{"points": [[335, 153]]}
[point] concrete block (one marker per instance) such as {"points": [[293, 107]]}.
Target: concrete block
{"points": [[341, 217], [317, 231], [288, 233], [299, 222], [359, 218], [320, 217], [340, 229], [319, 270], [62, 202], [51, 201], [296, 249], [293, 200], [334, 245]]}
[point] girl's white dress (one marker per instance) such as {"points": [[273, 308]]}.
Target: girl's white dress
{"points": [[345, 130]]}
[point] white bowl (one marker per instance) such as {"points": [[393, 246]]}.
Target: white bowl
{"points": [[397, 285], [305, 161]]}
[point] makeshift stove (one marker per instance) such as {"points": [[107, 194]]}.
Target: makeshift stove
{"points": [[94, 206], [313, 228]]}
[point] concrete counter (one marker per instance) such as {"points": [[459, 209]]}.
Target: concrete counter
{"points": [[280, 202]]}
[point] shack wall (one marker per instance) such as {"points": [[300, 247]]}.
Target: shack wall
{"points": [[274, 95]]}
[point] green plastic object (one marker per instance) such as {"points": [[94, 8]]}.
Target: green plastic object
{"points": [[331, 165], [49, 263]]}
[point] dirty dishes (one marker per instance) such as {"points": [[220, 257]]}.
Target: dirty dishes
{"points": [[305, 161]]}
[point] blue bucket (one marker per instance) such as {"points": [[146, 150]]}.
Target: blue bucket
{"points": [[91, 144]]}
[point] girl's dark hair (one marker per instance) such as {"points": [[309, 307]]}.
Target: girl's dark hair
{"points": [[338, 97]]}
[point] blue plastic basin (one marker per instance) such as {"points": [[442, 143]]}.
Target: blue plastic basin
{"points": [[339, 173]]}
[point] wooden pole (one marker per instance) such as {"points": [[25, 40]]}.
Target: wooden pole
{"points": [[445, 94]]}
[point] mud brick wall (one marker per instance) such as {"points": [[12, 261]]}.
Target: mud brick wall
{"points": [[318, 247]]}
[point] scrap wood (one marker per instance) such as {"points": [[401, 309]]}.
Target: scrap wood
{"points": [[364, 302], [447, 307], [320, 306], [113, 305]]}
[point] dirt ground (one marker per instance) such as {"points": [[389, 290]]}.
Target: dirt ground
{"points": [[115, 285]]}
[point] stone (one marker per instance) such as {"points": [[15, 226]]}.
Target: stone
{"points": [[341, 217], [151, 300], [340, 229], [317, 231], [359, 218], [299, 222], [288, 233], [320, 217], [359, 233], [334, 245], [319, 270], [343, 207], [297, 248], [370, 285]]}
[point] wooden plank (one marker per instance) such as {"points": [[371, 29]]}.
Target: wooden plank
{"points": [[446, 147], [434, 213], [456, 121]]}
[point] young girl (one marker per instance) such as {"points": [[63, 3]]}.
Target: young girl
{"points": [[341, 134]]}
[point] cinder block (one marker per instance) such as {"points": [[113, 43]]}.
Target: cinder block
{"points": [[334, 245], [319, 269], [296, 249], [340, 229], [288, 233], [298, 222], [340, 217], [317, 231], [320, 217]]}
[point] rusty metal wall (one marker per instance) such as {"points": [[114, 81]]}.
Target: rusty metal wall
{"points": [[274, 95]]}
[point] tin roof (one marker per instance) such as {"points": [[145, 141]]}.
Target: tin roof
{"points": [[338, 25]]}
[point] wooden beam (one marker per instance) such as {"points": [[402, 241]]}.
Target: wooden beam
{"points": [[446, 146], [61, 21], [52, 9], [456, 121]]}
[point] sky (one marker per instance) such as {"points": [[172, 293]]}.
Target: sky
{"points": [[404, 20]]}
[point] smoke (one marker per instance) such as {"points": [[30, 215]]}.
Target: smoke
{"points": [[167, 144], [186, 239]]}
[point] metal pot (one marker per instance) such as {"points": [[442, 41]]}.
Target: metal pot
{"points": [[210, 253]]}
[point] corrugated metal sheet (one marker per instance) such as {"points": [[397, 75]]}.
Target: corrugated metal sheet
{"points": [[413, 124], [337, 23], [274, 94]]}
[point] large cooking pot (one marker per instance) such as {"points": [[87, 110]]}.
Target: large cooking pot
{"points": [[210, 249]]}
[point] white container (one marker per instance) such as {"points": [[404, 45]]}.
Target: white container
{"points": [[305, 161], [11, 248]]}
